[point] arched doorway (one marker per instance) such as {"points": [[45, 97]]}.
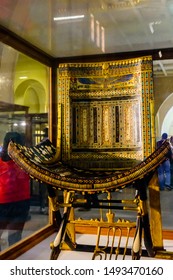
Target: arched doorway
{"points": [[31, 93], [164, 117]]}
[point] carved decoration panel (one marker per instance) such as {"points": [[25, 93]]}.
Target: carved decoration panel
{"points": [[106, 112]]}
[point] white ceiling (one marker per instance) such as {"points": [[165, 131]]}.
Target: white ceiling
{"points": [[107, 26]]}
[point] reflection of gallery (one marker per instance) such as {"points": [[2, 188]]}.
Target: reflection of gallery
{"points": [[98, 163]]}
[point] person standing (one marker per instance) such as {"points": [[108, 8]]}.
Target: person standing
{"points": [[164, 171], [14, 192], [171, 160]]}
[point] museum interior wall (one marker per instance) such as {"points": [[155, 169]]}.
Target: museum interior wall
{"points": [[24, 108], [163, 90]]}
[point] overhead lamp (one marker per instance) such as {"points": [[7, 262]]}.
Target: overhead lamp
{"points": [[68, 17], [23, 77], [151, 25], [160, 54], [23, 123]]}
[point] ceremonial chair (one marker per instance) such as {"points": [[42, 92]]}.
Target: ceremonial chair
{"points": [[41, 163]]}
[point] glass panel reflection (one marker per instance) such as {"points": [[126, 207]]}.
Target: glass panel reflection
{"points": [[24, 97], [163, 95]]}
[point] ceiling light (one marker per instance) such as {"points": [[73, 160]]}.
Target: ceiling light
{"points": [[23, 123], [68, 17], [151, 27], [23, 77]]}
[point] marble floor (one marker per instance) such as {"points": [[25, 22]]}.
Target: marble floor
{"points": [[42, 251], [37, 221]]}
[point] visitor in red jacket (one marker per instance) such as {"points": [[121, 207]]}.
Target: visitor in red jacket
{"points": [[14, 192]]}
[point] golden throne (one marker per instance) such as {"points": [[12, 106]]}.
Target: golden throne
{"points": [[105, 143]]}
